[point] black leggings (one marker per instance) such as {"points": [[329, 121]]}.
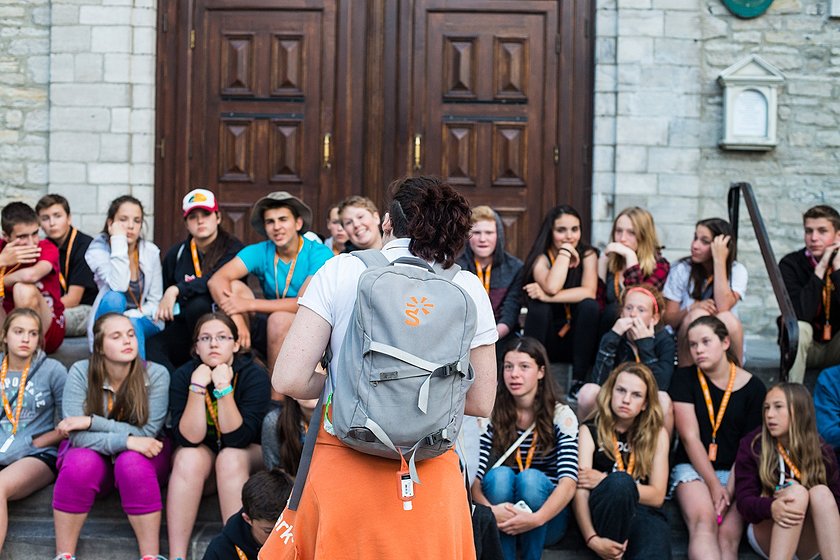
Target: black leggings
{"points": [[544, 321]]}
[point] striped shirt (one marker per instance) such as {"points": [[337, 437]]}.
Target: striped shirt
{"points": [[561, 461]]}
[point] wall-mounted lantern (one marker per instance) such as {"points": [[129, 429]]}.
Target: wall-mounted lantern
{"points": [[750, 104]]}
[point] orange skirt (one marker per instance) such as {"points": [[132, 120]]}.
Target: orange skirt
{"points": [[350, 508]]}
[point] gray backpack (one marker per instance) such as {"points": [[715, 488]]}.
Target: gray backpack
{"points": [[399, 384]]}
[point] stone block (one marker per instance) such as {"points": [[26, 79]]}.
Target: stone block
{"points": [[747, 37], [143, 148], [90, 95], [143, 121], [633, 159], [635, 183], [70, 38], [810, 87], [37, 173], [41, 16], [144, 18], [111, 39], [107, 173], [121, 119], [10, 13], [107, 193], [679, 185], [142, 69], [61, 172], [603, 183], [652, 103], [651, 131], [145, 40], [29, 46], [603, 158], [114, 148], [604, 130], [671, 209], [12, 173], [635, 4], [117, 68], [675, 5], [605, 50], [146, 195], [13, 119], [61, 68], [82, 198], [641, 23], [143, 97], [678, 235], [676, 51], [680, 77], [87, 67], [87, 119], [37, 121], [142, 174], [62, 14], [634, 49], [38, 69], [714, 27], [73, 146], [683, 25], [673, 160], [96, 15], [9, 136]]}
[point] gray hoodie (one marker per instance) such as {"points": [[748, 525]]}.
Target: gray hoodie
{"points": [[108, 436], [41, 407]]}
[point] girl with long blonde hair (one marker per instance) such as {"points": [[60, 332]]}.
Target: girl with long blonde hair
{"points": [[623, 472], [786, 480]]}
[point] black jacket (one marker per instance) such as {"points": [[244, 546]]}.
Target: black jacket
{"points": [[235, 533], [178, 269], [806, 291]]}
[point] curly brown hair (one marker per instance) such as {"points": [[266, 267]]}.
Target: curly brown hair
{"points": [[433, 214]]}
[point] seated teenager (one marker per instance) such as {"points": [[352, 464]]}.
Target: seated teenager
{"points": [[635, 338], [78, 289], [716, 404], [113, 408], [499, 271], [811, 276], [827, 406], [283, 432], [623, 472], [631, 258], [338, 237], [29, 272], [540, 469], [787, 484], [217, 403], [127, 270], [360, 220], [708, 282], [283, 264], [186, 268], [32, 386], [561, 280], [264, 496]]}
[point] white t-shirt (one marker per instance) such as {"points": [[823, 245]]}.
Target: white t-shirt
{"points": [[679, 286], [332, 294]]}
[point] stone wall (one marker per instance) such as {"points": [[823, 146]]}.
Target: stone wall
{"points": [[102, 98], [24, 76], [659, 119]]}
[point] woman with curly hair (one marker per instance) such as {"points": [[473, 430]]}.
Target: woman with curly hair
{"points": [[786, 480], [624, 469], [360, 513]]}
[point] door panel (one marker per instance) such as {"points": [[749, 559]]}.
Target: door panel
{"points": [[482, 103]]}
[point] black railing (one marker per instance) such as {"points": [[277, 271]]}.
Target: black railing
{"points": [[788, 328]]}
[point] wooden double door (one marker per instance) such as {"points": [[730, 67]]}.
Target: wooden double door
{"points": [[328, 98]]}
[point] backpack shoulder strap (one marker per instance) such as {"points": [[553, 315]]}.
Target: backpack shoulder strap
{"points": [[371, 257], [306, 454], [448, 273]]}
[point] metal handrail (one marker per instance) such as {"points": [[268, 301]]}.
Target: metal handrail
{"points": [[788, 327]]}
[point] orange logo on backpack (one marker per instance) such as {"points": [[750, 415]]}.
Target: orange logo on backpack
{"points": [[414, 308]]}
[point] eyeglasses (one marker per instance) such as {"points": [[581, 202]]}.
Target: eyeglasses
{"points": [[220, 338]]}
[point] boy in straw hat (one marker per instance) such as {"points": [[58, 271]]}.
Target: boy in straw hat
{"points": [[283, 264]]}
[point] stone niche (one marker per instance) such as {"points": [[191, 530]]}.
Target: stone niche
{"points": [[750, 104]]}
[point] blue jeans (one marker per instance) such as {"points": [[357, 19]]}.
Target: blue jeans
{"points": [[116, 302], [503, 484]]}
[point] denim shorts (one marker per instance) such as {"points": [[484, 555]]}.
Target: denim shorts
{"points": [[685, 472]]}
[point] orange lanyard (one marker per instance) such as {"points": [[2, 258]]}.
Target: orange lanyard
{"points": [[635, 351], [796, 474], [827, 289], [135, 256], [568, 308], [240, 553], [290, 273], [617, 286], [723, 404], [3, 273], [62, 275], [110, 396], [619, 461], [196, 264], [706, 285], [14, 419], [529, 457], [484, 275]]}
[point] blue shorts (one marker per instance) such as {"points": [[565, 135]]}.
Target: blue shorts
{"points": [[685, 472]]}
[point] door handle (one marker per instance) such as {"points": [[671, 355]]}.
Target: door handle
{"points": [[327, 158], [418, 151]]}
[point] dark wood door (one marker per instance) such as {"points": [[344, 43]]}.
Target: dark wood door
{"points": [[483, 107], [259, 108]]}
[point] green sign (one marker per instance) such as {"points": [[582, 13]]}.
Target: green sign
{"points": [[747, 8]]}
